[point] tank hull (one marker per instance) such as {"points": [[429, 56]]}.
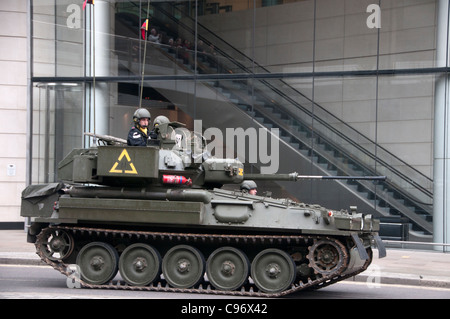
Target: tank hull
{"points": [[204, 240]]}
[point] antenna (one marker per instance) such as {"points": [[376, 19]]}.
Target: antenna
{"points": [[93, 64], [92, 49], [145, 54]]}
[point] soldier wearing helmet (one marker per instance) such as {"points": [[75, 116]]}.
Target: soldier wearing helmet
{"points": [[249, 187], [161, 119], [139, 134]]}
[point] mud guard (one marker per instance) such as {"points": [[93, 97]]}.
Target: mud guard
{"points": [[359, 245], [380, 245]]}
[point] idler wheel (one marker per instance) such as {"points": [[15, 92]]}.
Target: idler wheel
{"points": [[273, 270], [140, 264], [227, 268], [58, 244], [98, 263], [183, 266], [327, 256]]}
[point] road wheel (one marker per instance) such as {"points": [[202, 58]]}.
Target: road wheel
{"points": [[140, 264], [98, 263], [183, 266], [227, 268], [273, 270]]}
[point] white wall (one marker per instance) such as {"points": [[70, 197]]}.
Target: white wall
{"points": [[13, 106]]}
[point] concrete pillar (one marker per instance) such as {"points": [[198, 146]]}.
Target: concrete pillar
{"points": [[441, 202], [98, 63]]}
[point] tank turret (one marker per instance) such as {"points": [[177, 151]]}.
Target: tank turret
{"points": [[115, 165], [167, 162], [158, 215]]}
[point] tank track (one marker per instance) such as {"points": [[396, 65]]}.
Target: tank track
{"points": [[315, 281]]}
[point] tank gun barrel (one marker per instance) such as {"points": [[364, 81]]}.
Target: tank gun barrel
{"points": [[272, 177], [295, 177]]}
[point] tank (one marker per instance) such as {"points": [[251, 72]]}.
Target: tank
{"points": [[157, 218]]}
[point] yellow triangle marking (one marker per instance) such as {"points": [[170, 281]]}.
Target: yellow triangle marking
{"points": [[114, 170], [130, 171], [124, 153]]}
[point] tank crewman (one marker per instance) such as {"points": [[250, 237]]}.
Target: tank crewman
{"points": [[161, 119], [139, 134], [249, 187]]}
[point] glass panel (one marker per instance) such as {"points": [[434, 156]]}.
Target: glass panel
{"points": [[407, 37], [284, 36], [69, 35], [225, 39], [44, 38], [406, 103], [174, 53], [58, 36], [57, 126], [343, 41]]}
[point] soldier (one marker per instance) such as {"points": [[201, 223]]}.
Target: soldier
{"points": [[139, 134], [161, 119], [249, 187]]}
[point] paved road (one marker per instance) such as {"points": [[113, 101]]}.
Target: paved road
{"points": [[35, 282]]}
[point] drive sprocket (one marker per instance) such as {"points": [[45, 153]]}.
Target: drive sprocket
{"points": [[328, 256]]}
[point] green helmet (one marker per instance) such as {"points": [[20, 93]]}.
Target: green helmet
{"points": [[248, 185], [139, 114], [161, 119]]}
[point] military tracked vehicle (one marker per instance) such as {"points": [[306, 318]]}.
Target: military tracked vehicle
{"points": [[156, 218]]}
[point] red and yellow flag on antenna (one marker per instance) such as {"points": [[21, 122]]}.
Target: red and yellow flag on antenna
{"points": [[144, 28], [87, 2]]}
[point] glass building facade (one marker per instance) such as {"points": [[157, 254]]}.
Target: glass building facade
{"points": [[347, 87]]}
